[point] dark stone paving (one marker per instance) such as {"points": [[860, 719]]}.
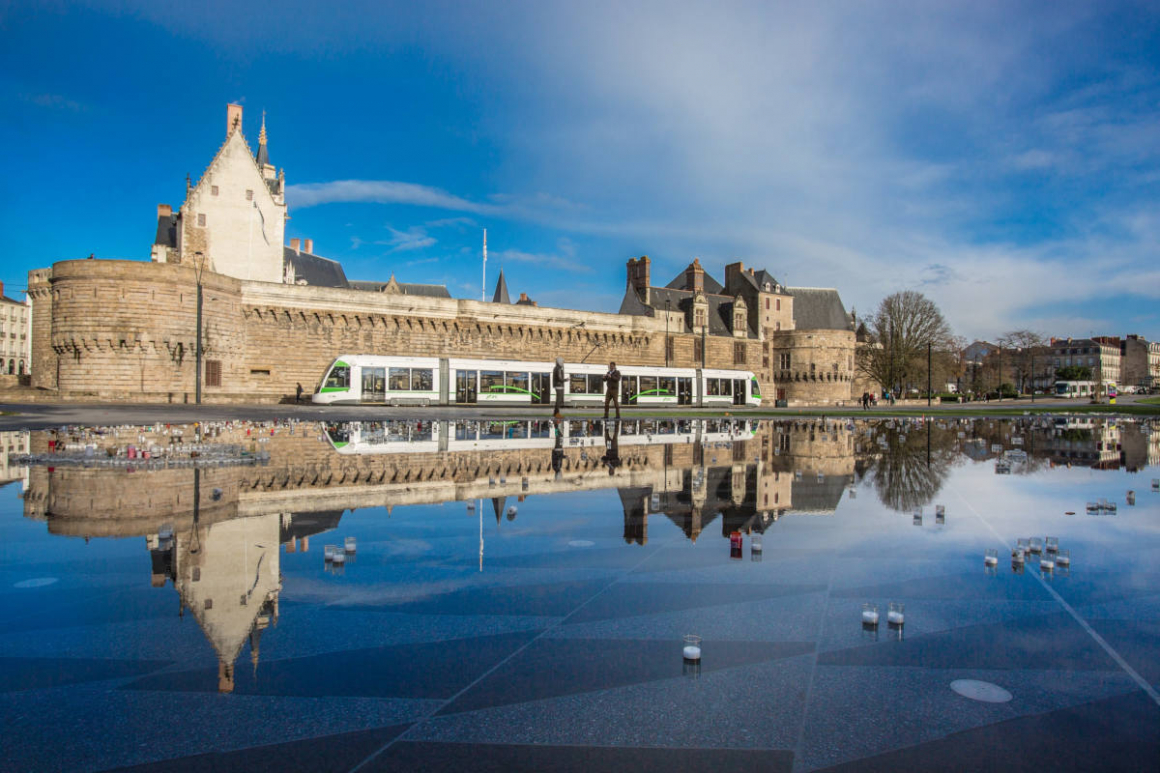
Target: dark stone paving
{"points": [[565, 693], [38, 673], [342, 751], [1119, 734], [637, 598], [426, 670], [586, 665], [503, 758], [1052, 641]]}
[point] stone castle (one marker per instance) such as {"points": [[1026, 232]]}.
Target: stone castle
{"points": [[276, 314]]}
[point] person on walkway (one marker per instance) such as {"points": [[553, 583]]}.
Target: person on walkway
{"points": [[298, 397], [612, 395], [865, 401], [558, 383]]}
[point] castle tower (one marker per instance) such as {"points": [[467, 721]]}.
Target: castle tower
{"points": [[233, 219]]}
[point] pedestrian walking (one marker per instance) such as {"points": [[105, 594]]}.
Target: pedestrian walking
{"points": [[865, 401], [298, 397], [612, 395]]}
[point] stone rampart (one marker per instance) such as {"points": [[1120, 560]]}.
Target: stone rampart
{"points": [[126, 330], [821, 367]]}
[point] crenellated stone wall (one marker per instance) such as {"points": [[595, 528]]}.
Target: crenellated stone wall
{"points": [[126, 330], [822, 368]]}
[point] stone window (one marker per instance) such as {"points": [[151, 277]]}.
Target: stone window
{"points": [[785, 361], [201, 220], [699, 318], [813, 369], [767, 304], [249, 195], [213, 373], [779, 304], [738, 353], [213, 189]]}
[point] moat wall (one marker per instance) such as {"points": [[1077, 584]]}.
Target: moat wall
{"points": [[126, 330]]}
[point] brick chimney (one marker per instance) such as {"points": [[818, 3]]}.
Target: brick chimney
{"points": [[639, 276], [164, 210], [733, 271], [233, 118], [308, 246], [695, 276], [294, 244]]}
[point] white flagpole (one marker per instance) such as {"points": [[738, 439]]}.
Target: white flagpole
{"points": [[483, 288]]}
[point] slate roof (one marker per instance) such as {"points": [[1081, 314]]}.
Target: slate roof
{"points": [[811, 496], [720, 307], [317, 271], [632, 304], [501, 291], [167, 230], [818, 308], [711, 284], [309, 524], [427, 291]]}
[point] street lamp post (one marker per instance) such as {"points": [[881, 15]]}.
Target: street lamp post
{"points": [[1000, 371], [928, 373], [197, 270], [668, 306]]}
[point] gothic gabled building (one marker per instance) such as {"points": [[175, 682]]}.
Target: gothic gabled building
{"points": [[806, 335]]}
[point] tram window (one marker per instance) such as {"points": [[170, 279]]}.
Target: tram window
{"points": [[421, 379], [339, 377], [595, 384], [712, 386], [726, 386], [491, 381], [400, 379], [517, 380], [668, 385], [578, 384], [648, 385]]}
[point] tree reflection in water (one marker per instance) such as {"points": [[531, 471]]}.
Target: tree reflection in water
{"points": [[909, 464]]}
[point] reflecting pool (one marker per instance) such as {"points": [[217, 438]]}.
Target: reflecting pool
{"points": [[521, 595]]}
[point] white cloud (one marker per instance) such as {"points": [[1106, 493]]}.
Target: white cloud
{"points": [[982, 153], [564, 259], [414, 238]]}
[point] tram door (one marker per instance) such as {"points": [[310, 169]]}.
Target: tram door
{"points": [[374, 385], [541, 388], [739, 391], [684, 391], [628, 390], [466, 385]]}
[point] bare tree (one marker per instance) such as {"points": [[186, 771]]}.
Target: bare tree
{"points": [[1025, 355], [897, 336]]}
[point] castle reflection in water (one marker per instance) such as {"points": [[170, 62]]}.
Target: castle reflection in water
{"points": [[217, 527]]}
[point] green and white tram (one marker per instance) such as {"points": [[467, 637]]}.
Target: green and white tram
{"points": [[390, 380]]}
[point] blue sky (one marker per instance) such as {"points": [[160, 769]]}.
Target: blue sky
{"points": [[1002, 158]]}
